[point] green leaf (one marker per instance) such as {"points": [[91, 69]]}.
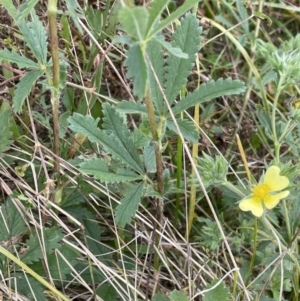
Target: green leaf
{"points": [[52, 237], [58, 267], [243, 15], [24, 87], [187, 37], [5, 132], [107, 292], [65, 30], [139, 139], [73, 9], [220, 292], [29, 287], [150, 159], [137, 70], [208, 92], [175, 51], [179, 296], [113, 18], [188, 4], [134, 20], [99, 169], [187, 129], [63, 123], [160, 297], [115, 124], [265, 120], [87, 125], [155, 11], [35, 37], [11, 221], [25, 9], [21, 61], [10, 7], [131, 107], [129, 205], [155, 56], [93, 235]]}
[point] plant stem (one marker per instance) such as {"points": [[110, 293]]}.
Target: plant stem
{"points": [[153, 128], [193, 190], [159, 171], [276, 142], [52, 12], [254, 252], [178, 179]]}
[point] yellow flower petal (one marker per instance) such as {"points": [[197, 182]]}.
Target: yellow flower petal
{"points": [[274, 180], [252, 204], [272, 200]]}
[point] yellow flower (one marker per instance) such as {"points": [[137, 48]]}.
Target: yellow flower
{"points": [[263, 193]]}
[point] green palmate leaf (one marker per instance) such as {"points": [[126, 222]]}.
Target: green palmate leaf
{"points": [[187, 37], [137, 69], [129, 205], [34, 251], [107, 292], [155, 56], [134, 20], [24, 88], [58, 267], [21, 61], [220, 292], [35, 37], [87, 125], [99, 169], [131, 107], [29, 287], [25, 9], [10, 7], [11, 221], [52, 237], [92, 230], [155, 11], [208, 92], [179, 296], [187, 129], [115, 124], [5, 132], [160, 297], [93, 234], [175, 51], [188, 4]]}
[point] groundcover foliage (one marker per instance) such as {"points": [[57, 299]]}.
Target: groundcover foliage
{"points": [[106, 194]]}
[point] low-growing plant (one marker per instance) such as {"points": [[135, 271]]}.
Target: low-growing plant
{"points": [[115, 201]]}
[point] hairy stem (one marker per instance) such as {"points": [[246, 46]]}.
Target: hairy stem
{"points": [[153, 128], [159, 172], [254, 252]]}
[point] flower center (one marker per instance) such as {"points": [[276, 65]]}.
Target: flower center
{"points": [[261, 191]]}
